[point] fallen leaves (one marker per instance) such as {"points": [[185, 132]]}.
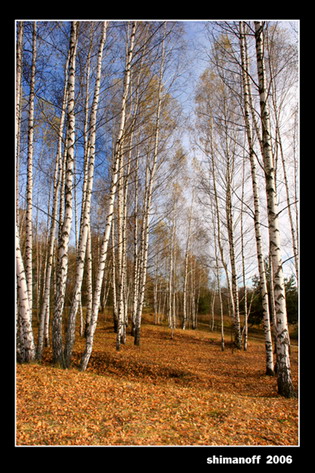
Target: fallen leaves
{"points": [[166, 392]]}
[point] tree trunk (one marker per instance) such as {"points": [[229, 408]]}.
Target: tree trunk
{"points": [[150, 174], [51, 244], [229, 219], [18, 103], [99, 280], [26, 352], [285, 385], [62, 264], [85, 218], [29, 190], [186, 267], [259, 250]]}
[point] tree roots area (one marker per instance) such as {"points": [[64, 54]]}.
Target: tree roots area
{"points": [[180, 390]]}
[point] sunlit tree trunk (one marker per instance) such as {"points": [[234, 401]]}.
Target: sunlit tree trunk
{"points": [[229, 220], [89, 283], [186, 267], [42, 333], [285, 385], [18, 104], [25, 342], [245, 326], [135, 246], [150, 174], [218, 283], [259, 250], [120, 254], [103, 253], [86, 211], [62, 263], [29, 190]]}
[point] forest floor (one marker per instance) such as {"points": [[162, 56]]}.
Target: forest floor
{"points": [[180, 391]]}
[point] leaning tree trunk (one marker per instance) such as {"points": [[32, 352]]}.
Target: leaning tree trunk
{"points": [[285, 385], [62, 265], [259, 250]]}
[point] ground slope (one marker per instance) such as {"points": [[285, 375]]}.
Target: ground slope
{"points": [[181, 391]]}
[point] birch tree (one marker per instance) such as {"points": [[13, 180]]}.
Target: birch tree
{"points": [[45, 309], [25, 339], [18, 105], [63, 244], [187, 249], [285, 385], [150, 174], [116, 162], [29, 190], [257, 225], [281, 64], [86, 208]]}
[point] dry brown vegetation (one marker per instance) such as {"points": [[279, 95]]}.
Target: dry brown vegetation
{"points": [[181, 391]]}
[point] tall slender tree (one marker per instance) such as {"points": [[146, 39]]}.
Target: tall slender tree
{"points": [[150, 175], [25, 339], [63, 244], [18, 104], [257, 225], [29, 191], [104, 247], [86, 207], [45, 308], [285, 385]]}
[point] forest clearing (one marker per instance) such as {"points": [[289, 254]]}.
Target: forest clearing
{"points": [[180, 391], [157, 182]]}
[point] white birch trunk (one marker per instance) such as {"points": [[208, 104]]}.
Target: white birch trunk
{"points": [[98, 285], [89, 283], [120, 242], [44, 316], [18, 105], [62, 265], [135, 250], [186, 268], [26, 340], [245, 326], [150, 174], [285, 385], [229, 219], [29, 190], [114, 286], [85, 218], [259, 250]]}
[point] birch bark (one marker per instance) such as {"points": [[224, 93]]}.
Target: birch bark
{"points": [[229, 220], [18, 105], [186, 267], [150, 173], [26, 346], [63, 245], [29, 189], [259, 250], [85, 218], [98, 285], [285, 385], [56, 188]]}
